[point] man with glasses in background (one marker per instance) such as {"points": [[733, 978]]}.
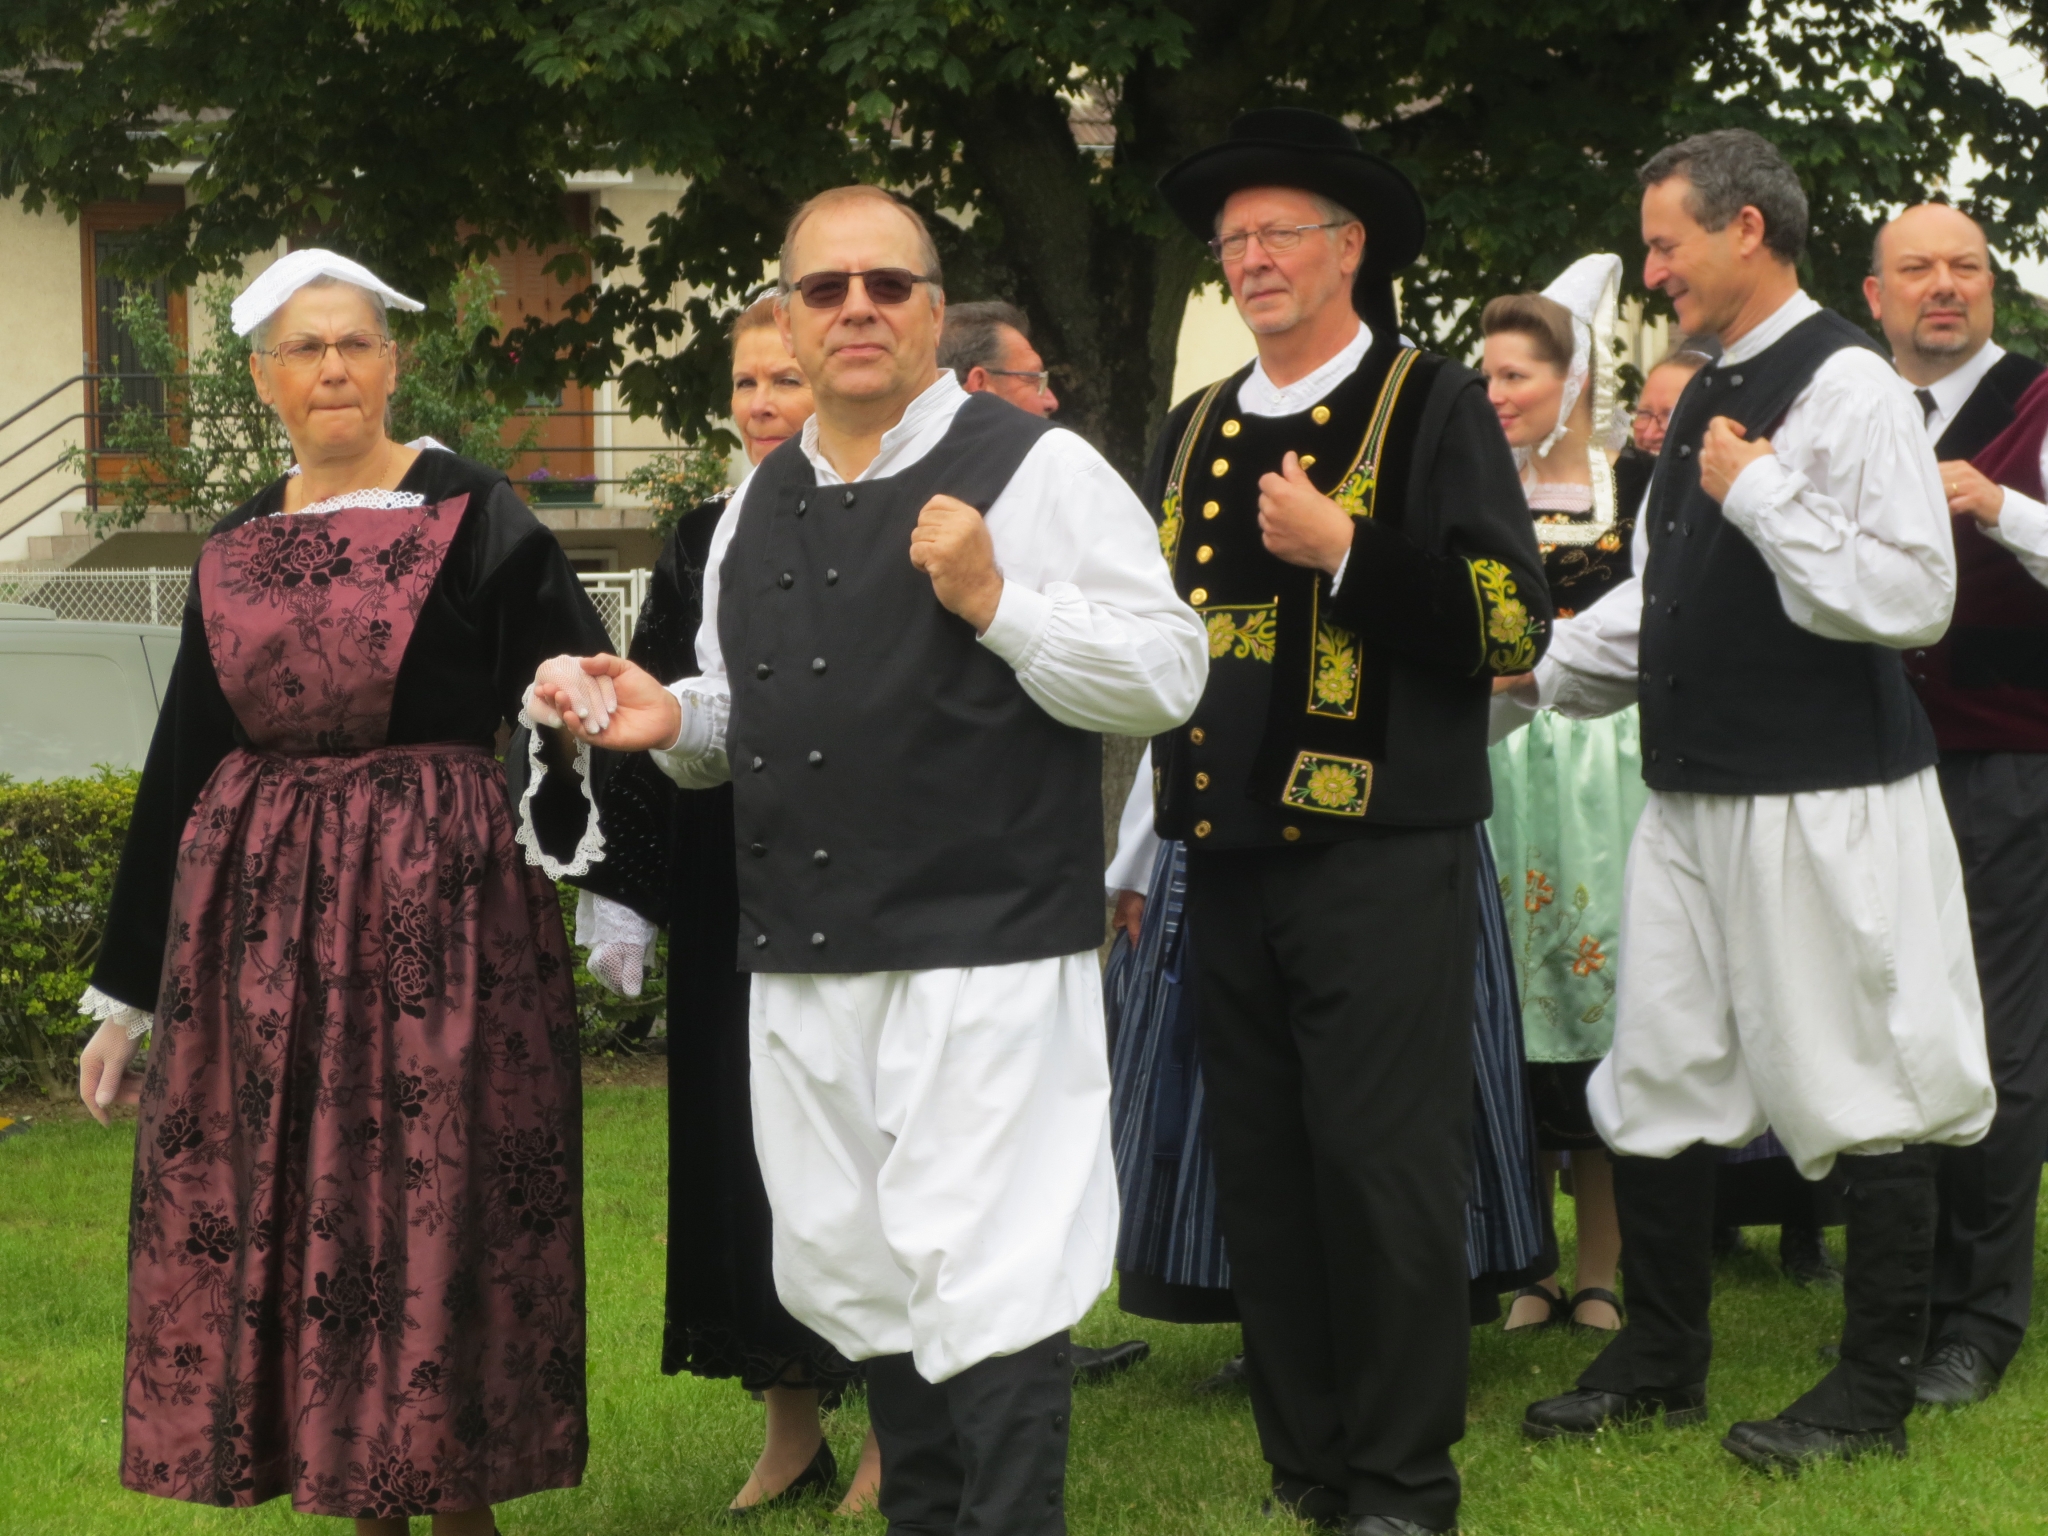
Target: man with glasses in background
{"points": [[988, 346], [919, 617]]}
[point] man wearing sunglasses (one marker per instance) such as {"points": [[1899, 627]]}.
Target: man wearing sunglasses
{"points": [[920, 616]]}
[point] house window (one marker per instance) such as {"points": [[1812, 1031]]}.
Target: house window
{"points": [[106, 230]]}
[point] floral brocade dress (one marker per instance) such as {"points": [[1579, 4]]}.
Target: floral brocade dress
{"points": [[1567, 795], [356, 1246]]}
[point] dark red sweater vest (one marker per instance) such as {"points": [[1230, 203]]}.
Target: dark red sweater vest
{"points": [[1985, 684]]}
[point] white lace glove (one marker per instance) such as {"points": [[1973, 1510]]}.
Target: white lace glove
{"points": [[619, 939]]}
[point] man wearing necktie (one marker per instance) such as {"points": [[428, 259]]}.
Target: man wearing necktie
{"points": [[1985, 689]]}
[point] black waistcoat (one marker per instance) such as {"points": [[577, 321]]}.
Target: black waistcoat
{"points": [[1736, 698], [1220, 781], [901, 803]]}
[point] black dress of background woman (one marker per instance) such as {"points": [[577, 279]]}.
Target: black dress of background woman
{"points": [[669, 856]]}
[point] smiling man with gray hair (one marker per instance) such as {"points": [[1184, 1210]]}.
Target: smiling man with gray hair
{"points": [[1797, 951]]}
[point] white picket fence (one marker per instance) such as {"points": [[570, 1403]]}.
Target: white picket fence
{"points": [[157, 596]]}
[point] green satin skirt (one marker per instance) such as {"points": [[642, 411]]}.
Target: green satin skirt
{"points": [[1566, 797]]}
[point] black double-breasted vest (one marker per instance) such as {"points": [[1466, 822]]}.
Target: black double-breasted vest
{"points": [[1736, 698], [900, 802]]}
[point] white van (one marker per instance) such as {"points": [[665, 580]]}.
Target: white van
{"points": [[75, 695]]}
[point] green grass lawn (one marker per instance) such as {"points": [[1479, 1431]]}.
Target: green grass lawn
{"points": [[1149, 1459]]}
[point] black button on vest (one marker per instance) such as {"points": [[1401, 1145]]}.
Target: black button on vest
{"points": [[1752, 704], [963, 823]]}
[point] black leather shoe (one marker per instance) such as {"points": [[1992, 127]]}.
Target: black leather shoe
{"points": [[1229, 1377], [817, 1478], [1582, 1414], [1299, 1499], [1393, 1525], [1786, 1445], [1093, 1365], [1803, 1255], [1954, 1375]]}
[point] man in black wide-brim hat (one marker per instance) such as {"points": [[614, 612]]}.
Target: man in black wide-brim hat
{"points": [[1345, 514]]}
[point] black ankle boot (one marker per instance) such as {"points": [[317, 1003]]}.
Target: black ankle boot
{"points": [[1891, 1207]]}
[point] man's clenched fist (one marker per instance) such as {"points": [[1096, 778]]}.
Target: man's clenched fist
{"points": [[951, 545]]}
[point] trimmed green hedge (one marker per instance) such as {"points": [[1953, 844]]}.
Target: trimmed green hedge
{"points": [[60, 842]]}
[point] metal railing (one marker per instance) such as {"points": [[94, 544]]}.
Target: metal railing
{"points": [[157, 595], [37, 433]]}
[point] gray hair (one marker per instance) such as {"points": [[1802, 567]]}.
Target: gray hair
{"points": [[1732, 169], [973, 334], [262, 340]]}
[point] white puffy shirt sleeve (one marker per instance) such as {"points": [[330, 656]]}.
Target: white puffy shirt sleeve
{"points": [[2022, 527], [1590, 668], [696, 758], [1137, 844], [1848, 510], [1089, 619]]}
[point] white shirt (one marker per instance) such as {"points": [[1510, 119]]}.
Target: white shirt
{"points": [[1088, 619], [1847, 511], [1258, 395], [2022, 525]]}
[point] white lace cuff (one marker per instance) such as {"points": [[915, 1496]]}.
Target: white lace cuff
{"points": [[99, 1007], [590, 846], [600, 920]]}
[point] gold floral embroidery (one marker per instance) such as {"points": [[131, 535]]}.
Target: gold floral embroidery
{"points": [[1504, 619], [1170, 522], [1354, 492], [1335, 685], [1251, 632], [1330, 786]]}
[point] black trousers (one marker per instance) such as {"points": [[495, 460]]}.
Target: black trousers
{"points": [[1984, 1255], [1666, 1206], [1336, 1041], [981, 1454]]}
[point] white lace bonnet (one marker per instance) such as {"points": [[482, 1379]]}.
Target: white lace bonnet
{"points": [[1590, 289], [276, 283]]}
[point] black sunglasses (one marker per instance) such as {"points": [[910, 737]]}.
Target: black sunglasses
{"points": [[884, 285]]}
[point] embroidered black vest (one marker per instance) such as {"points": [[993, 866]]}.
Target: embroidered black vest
{"points": [[1736, 698], [1295, 711], [901, 803]]}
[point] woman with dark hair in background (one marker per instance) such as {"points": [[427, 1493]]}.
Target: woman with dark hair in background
{"points": [[669, 864]]}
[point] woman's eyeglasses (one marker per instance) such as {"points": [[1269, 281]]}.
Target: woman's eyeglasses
{"points": [[884, 285], [1272, 239], [1644, 418], [300, 353]]}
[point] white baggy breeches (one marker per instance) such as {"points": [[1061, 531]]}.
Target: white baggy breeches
{"points": [[1801, 962], [936, 1150]]}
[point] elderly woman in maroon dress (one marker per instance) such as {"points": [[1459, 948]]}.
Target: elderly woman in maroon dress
{"points": [[356, 1241]]}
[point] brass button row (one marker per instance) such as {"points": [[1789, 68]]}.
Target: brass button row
{"points": [[1232, 428], [1199, 596], [1320, 415], [1211, 508]]}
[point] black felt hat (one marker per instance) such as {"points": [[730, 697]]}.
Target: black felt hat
{"points": [[1289, 147]]}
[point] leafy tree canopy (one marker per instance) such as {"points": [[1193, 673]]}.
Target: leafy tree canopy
{"points": [[417, 134]]}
